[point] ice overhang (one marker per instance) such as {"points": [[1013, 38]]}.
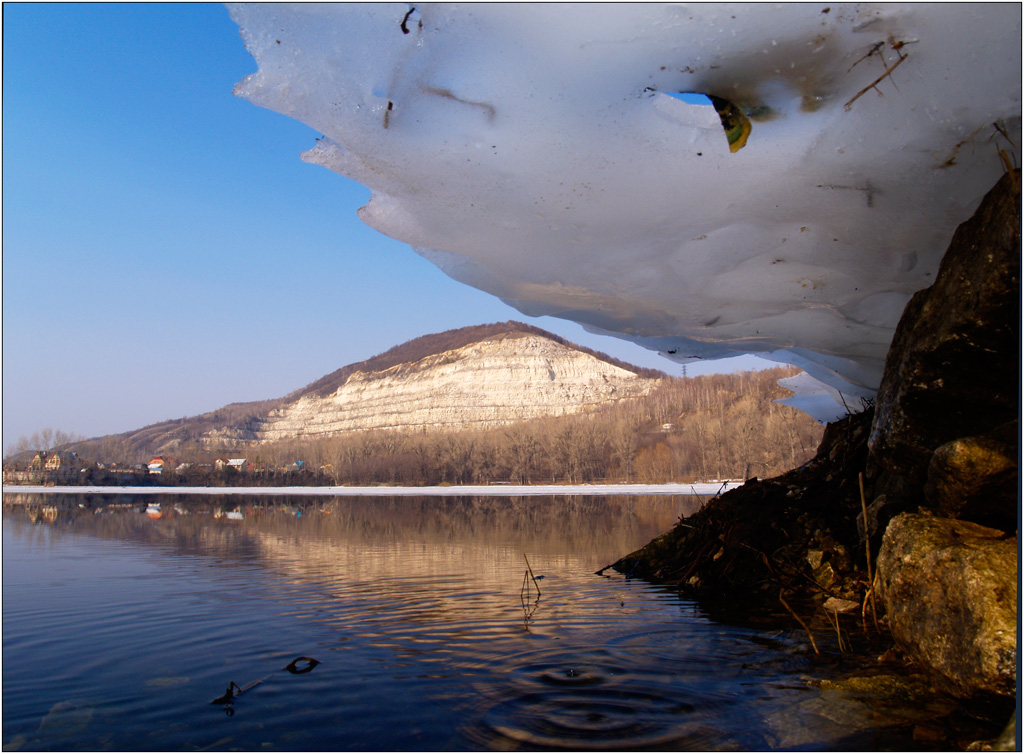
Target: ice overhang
{"points": [[534, 151]]}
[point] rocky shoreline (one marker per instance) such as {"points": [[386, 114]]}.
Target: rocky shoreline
{"points": [[896, 547]]}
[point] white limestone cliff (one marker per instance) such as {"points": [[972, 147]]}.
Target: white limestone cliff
{"points": [[497, 381]]}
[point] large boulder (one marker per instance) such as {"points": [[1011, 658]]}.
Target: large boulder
{"points": [[950, 593], [975, 478], [952, 369]]}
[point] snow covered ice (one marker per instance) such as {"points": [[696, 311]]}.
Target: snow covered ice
{"points": [[534, 151]]}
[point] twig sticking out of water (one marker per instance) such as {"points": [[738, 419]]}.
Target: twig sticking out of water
{"points": [[699, 498], [833, 618], [798, 620], [529, 578], [867, 548]]}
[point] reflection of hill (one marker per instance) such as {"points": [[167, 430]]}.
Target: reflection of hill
{"points": [[372, 538], [395, 569], [361, 540]]}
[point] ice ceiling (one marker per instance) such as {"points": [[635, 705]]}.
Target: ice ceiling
{"points": [[534, 151]]}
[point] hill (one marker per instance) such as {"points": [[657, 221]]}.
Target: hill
{"points": [[427, 361]]}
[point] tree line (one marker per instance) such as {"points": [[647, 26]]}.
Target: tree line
{"points": [[703, 428]]}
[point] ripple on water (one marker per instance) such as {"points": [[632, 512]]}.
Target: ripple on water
{"points": [[593, 700]]}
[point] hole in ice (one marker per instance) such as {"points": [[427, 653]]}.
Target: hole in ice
{"points": [[734, 121], [692, 98]]}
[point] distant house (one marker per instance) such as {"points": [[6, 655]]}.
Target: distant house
{"points": [[160, 464], [238, 464], [55, 461], [60, 461], [50, 465], [293, 467]]}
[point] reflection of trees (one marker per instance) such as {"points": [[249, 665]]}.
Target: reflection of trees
{"points": [[369, 564], [305, 535]]}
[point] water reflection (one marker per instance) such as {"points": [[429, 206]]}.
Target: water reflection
{"points": [[362, 539], [436, 623]]}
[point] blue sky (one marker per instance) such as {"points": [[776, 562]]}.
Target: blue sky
{"points": [[165, 251]]}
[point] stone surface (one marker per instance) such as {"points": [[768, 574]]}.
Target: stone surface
{"points": [[844, 714], [493, 382], [950, 593], [975, 478], [952, 369]]}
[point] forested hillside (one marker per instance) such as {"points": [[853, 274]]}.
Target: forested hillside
{"points": [[714, 427], [672, 429]]}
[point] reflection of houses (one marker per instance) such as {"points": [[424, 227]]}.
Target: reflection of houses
{"points": [[47, 514]]}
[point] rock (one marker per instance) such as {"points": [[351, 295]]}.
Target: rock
{"points": [[894, 698], [1006, 741], [975, 478], [65, 721], [950, 592], [494, 382], [846, 713], [951, 371], [836, 605], [825, 575]]}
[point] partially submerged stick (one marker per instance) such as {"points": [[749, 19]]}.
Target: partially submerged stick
{"points": [[833, 618], [867, 548], [529, 573], [798, 620]]}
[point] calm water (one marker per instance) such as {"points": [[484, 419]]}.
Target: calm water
{"points": [[119, 630]]}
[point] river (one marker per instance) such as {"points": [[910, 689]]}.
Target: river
{"points": [[123, 627]]}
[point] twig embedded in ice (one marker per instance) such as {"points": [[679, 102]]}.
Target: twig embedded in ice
{"points": [[405, 21], [888, 72], [878, 46]]}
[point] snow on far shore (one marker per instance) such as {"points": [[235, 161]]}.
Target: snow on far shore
{"points": [[509, 490]]}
